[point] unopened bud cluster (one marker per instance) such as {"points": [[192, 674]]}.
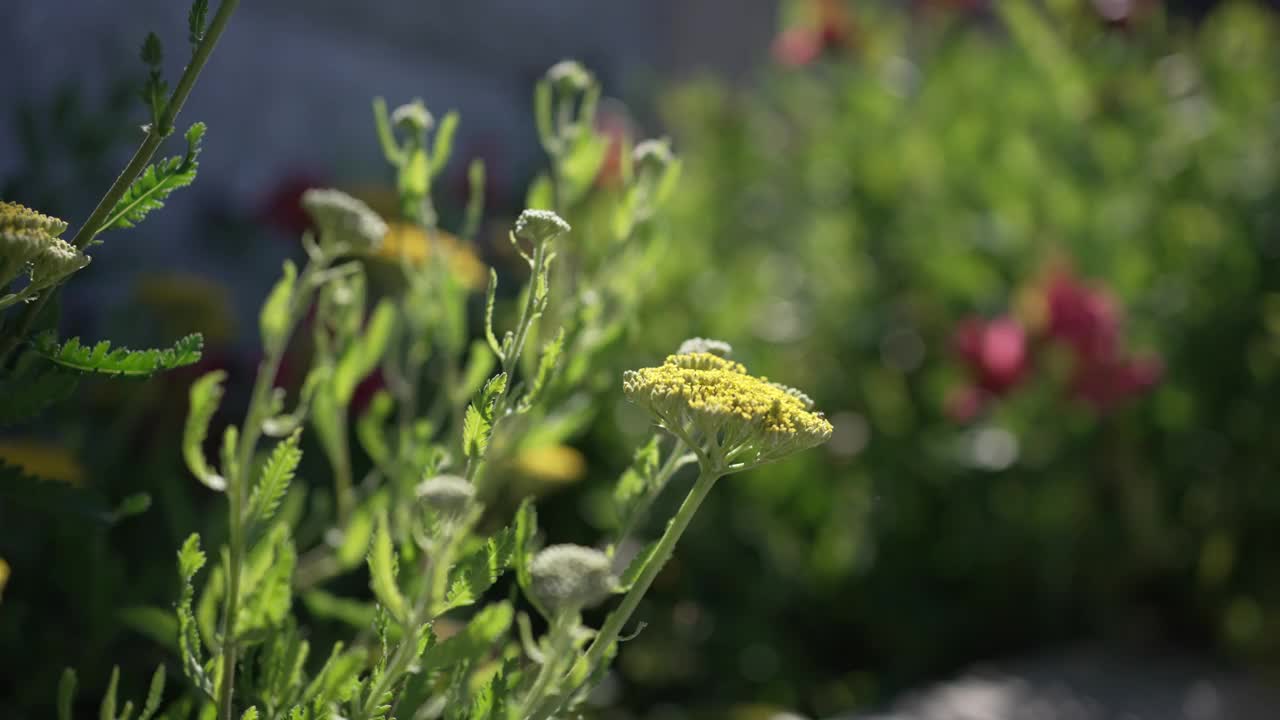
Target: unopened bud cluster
{"points": [[29, 239], [343, 220], [571, 577]]}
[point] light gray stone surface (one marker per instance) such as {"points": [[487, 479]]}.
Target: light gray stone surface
{"points": [[1090, 686]]}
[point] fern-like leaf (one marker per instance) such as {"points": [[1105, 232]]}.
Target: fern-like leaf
{"points": [[190, 559], [156, 183], [100, 358], [273, 481]]}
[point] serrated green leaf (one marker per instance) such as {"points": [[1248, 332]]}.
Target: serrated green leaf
{"points": [[107, 710], [476, 572], [250, 714], [266, 585], [205, 396], [489, 297], [157, 624], [273, 481], [362, 356], [197, 19], [149, 191], [190, 559], [541, 194], [370, 428], [66, 693], [31, 390], [636, 567], [383, 568], [154, 694], [442, 145], [475, 433], [472, 642], [636, 481], [273, 319], [547, 363], [526, 529], [480, 363], [542, 117], [328, 606], [103, 360]]}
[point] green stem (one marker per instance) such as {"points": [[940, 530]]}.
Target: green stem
{"points": [[587, 665], [250, 433], [674, 462], [560, 645], [156, 134]]}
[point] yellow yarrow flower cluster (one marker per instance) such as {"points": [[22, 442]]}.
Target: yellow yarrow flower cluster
{"points": [[29, 239], [732, 418]]}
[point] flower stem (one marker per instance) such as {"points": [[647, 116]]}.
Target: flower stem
{"points": [[156, 134], [242, 474], [608, 635]]}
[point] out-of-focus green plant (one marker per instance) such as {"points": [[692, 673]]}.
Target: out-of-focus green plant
{"points": [[850, 213], [425, 528]]}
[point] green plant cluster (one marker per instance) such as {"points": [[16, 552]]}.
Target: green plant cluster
{"points": [[851, 214], [399, 552]]}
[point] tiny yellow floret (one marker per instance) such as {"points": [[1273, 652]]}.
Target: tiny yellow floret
{"points": [[734, 418]]}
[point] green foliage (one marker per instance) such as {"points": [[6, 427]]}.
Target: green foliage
{"points": [[101, 359], [383, 568], [197, 22], [474, 641], [205, 396], [273, 481], [190, 559], [637, 482], [156, 183], [273, 320], [31, 389], [478, 424]]}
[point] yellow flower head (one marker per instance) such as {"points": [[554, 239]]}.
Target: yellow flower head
{"points": [[411, 243], [30, 239], [731, 418]]}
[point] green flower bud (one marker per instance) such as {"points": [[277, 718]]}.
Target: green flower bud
{"points": [[342, 219], [539, 226], [571, 577], [448, 495], [27, 236]]}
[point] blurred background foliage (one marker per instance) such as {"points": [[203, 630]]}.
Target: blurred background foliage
{"points": [[1027, 258]]}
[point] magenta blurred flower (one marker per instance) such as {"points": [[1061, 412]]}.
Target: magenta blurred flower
{"points": [[1104, 384], [1084, 318]]}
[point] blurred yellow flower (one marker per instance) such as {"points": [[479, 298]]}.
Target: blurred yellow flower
{"points": [[43, 460], [184, 303], [408, 241], [551, 464], [4, 576]]}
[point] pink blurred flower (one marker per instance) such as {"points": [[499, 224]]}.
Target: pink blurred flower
{"points": [[964, 402], [995, 352], [802, 44]]}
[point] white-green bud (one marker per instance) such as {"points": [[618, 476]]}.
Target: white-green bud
{"points": [[412, 117], [539, 226], [570, 76], [705, 345], [653, 156], [341, 218], [571, 577], [448, 495]]}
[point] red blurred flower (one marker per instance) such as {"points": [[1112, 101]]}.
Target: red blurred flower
{"points": [[613, 122], [282, 206], [1105, 383], [802, 44], [995, 352]]}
